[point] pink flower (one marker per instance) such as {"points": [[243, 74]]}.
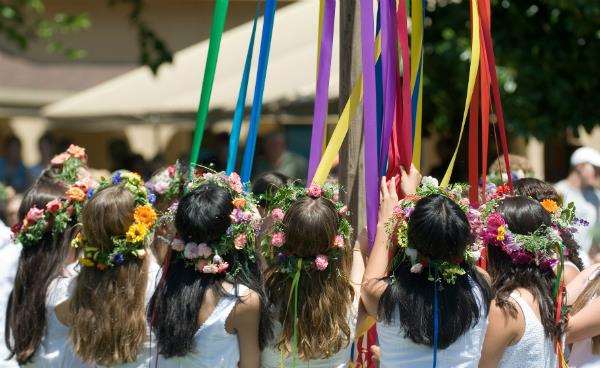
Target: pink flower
{"points": [[416, 268], [343, 211], [277, 214], [210, 268], [60, 159], [278, 239], [314, 191], [76, 151], [495, 220], [161, 187], [33, 215], [191, 251], [339, 241], [465, 201], [171, 170], [53, 206], [178, 245], [240, 241], [204, 250], [398, 211], [236, 182], [321, 262], [223, 267]]}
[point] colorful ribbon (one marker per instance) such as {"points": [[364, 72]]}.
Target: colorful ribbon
{"points": [[473, 67], [416, 77], [238, 115], [369, 116], [322, 91], [216, 32], [259, 88]]}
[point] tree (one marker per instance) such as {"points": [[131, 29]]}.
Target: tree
{"points": [[23, 21], [547, 56]]}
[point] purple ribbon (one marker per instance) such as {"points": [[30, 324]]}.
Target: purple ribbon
{"points": [[369, 116], [389, 56], [322, 92]]}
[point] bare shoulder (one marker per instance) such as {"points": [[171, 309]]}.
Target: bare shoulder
{"points": [[63, 313], [249, 301]]}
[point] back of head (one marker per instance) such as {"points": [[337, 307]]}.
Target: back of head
{"points": [[266, 184], [108, 306], [523, 216], [439, 231], [39, 263], [536, 189], [324, 291]]}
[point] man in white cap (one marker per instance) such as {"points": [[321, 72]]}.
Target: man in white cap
{"points": [[580, 188]]}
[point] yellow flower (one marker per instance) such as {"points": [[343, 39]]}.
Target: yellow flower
{"points": [[550, 205], [145, 215], [140, 253], [77, 241], [132, 177], [501, 233], [86, 262], [136, 233]]}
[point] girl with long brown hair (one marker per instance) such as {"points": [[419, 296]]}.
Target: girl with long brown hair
{"points": [[106, 312], [308, 280], [583, 329], [48, 215]]}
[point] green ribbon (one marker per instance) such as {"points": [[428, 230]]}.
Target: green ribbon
{"points": [[559, 272], [294, 299], [216, 31]]}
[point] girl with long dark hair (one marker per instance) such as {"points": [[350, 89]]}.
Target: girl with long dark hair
{"points": [[48, 215], [309, 279], [522, 253], [431, 303], [209, 308]]}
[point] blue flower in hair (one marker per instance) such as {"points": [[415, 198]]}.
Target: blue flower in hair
{"points": [[118, 259], [116, 179], [151, 198], [90, 193]]}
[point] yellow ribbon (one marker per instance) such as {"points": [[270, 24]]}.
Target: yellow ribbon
{"points": [[473, 68], [416, 67], [341, 128]]}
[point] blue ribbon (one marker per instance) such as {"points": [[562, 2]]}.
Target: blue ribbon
{"points": [[379, 82], [436, 317], [259, 88], [238, 115]]}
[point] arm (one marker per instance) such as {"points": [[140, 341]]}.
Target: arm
{"points": [[576, 286], [501, 332], [358, 264], [585, 324], [246, 316]]}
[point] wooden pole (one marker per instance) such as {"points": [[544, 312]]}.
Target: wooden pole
{"points": [[351, 173]]}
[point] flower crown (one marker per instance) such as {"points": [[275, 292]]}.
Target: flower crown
{"points": [[132, 244], [239, 237], [397, 229], [168, 183], [58, 213], [275, 238]]}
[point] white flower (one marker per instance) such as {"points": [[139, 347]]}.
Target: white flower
{"points": [[411, 253], [416, 268], [430, 181]]}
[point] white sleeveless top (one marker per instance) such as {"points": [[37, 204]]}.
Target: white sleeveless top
{"points": [[271, 357], [534, 349], [400, 351], [213, 345]]}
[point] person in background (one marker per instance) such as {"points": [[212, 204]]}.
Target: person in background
{"points": [[12, 170], [120, 154], [277, 157], [265, 185], [520, 168], [579, 188], [47, 148]]}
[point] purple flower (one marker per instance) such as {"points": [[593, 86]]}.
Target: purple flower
{"points": [[90, 193], [118, 259], [408, 211], [281, 257], [521, 257], [116, 179], [229, 231], [151, 198], [237, 215]]}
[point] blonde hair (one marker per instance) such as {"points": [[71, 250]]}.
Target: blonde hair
{"points": [[325, 297], [591, 291], [108, 307]]}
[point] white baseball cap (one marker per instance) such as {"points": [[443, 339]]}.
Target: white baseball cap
{"points": [[585, 155]]}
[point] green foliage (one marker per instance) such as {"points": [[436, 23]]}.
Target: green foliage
{"points": [[547, 61]]}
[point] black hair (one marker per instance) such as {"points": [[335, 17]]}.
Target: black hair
{"points": [[38, 265], [266, 184], [523, 216], [438, 229], [202, 216]]}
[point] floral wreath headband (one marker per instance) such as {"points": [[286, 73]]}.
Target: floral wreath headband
{"points": [[168, 183], [58, 213], [397, 229], [275, 237], [239, 237], [130, 245]]}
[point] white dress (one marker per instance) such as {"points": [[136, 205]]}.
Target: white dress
{"points": [[9, 259], [581, 355], [400, 351], [534, 349], [214, 346], [271, 357]]}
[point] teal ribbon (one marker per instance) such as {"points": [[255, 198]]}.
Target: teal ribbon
{"points": [[294, 292], [238, 115], [259, 88]]}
